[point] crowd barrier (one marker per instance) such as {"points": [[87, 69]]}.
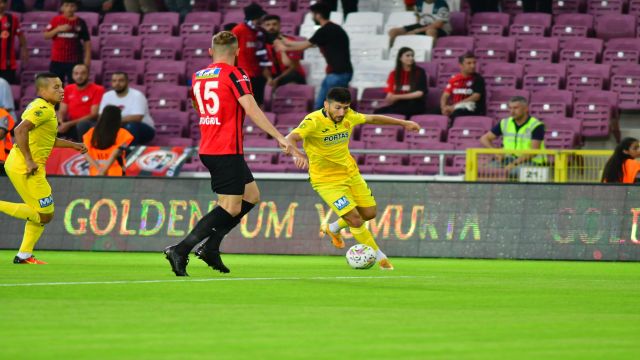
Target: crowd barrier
{"points": [[415, 219]]}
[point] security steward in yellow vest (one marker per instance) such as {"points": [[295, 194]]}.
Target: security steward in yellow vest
{"points": [[521, 131]]}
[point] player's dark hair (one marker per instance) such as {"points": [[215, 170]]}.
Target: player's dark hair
{"points": [[44, 76], [107, 126], [339, 94], [126, 76], [271, 17], [322, 9], [465, 56], [399, 68], [613, 171]]}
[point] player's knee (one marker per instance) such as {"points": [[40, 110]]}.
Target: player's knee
{"points": [[355, 221], [253, 198], [46, 218], [370, 214]]}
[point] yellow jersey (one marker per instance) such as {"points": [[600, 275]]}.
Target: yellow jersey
{"points": [[42, 114], [326, 144]]}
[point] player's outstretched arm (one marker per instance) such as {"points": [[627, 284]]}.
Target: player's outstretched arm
{"points": [[387, 120], [301, 161], [22, 140], [62, 143]]}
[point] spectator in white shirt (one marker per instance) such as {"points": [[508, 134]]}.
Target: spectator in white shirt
{"points": [[135, 110]]}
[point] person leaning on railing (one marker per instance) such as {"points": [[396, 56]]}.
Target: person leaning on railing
{"points": [[622, 166], [520, 131]]}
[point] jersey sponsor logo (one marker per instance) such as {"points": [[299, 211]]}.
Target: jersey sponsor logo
{"points": [[67, 35], [208, 73], [85, 98], [341, 203], [336, 138], [209, 120], [244, 78], [46, 202], [462, 91]]}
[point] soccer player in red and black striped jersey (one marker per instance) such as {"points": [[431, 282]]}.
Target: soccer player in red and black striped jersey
{"points": [[9, 29], [222, 95], [71, 41]]}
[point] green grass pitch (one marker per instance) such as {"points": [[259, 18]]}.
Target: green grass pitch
{"points": [[130, 306]]}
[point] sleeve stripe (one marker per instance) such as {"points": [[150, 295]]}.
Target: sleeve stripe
{"points": [[248, 85], [234, 80]]}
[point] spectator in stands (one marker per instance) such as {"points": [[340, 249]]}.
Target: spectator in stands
{"points": [[6, 98], [285, 66], [180, 6], [520, 131], [465, 90], [483, 6], [541, 6], [141, 6], [71, 41], [406, 87], [10, 25], [78, 110], [333, 42], [106, 144], [622, 166], [252, 55], [348, 6], [432, 20], [135, 109], [6, 143]]}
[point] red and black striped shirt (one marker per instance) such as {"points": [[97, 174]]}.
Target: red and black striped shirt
{"points": [[67, 46], [216, 90], [10, 26]]}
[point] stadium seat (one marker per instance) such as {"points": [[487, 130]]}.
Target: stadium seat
{"points": [[559, 139], [259, 162], [425, 164], [588, 77], [512, 7], [489, 23], [451, 47], [386, 145], [499, 75], [160, 47], [159, 23], [458, 21], [193, 65], [115, 29], [530, 24], [293, 98], [96, 45], [446, 69], [565, 6], [551, 103], [275, 6], [164, 72], [285, 163], [235, 5], [364, 22], [498, 102], [544, 76], [130, 18], [133, 68], [372, 98], [595, 108], [431, 69], [38, 46], [369, 47], [569, 25], [626, 82], [568, 124], [421, 45], [399, 19], [616, 26], [170, 123], [35, 22], [432, 121], [478, 122], [167, 97], [204, 23], [537, 49], [581, 50], [459, 135], [424, 135], [31, 69], [604, 7], [432, 101], [379, 134], [621, 52], [95, 71], [120, 47], [259, 142], [374, 74], [290, 118], [92, 19], [494, 48]]}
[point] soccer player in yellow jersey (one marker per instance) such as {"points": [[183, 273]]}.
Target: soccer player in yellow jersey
{"points": [[333, 171], [25, 165]]}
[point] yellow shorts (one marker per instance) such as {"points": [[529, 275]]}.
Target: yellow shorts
{"points": [[34, 190], [346, 195]]}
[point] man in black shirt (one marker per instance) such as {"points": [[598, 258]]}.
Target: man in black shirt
{"points": [[333, 42]]}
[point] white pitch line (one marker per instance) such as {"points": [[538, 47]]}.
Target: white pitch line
{"points": [[125, 282]]}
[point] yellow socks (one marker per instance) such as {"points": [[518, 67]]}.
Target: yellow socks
{"points": [[364, 236], [32, 233], [20, 211]]}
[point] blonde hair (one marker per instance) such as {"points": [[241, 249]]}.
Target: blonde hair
{"points": [[224, 41]]}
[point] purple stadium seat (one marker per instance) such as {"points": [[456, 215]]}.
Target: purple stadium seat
{"points": [[595, 108], [425, 164], [259, 162], [512, 7], [459, 135], [432, 121], [130, 18], [159, 23], [544, 76], [494, 48], [551, 103], [293, 98], [600, 7], [35, 22], [95, 71], [386, 145], [286, 128], [565, 6], [170, 123], [275, 6], [621, 52], [530, 24], [458, 22], [31, 69], [425, 135], [226, 6], [626, 82], [390, 159], [457, 166], [559, 139], [164, 72], [194, 65], [451, 47], [502, 75], [303, 5], [257, 142], [537, 49], [96, 45], [38, 46], [196, 46], [16, 93], [92, 19], [570, 25], [489, 23], [431, 69], [432, 101], [372, 98], [160, 47], [634, 9], [167, 97], [204, 22], [498, 102], [115, 29], [446, 69], [133, 68], [478, 122], [119, 47], [291, 118], [251, 131], [235, 16], [563, 123], [285, 163], [588, 77], [202, 5], [581, 50], [379, 134], [616, 26]]}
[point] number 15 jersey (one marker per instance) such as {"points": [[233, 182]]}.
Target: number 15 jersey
{"points": [[216, 90]]}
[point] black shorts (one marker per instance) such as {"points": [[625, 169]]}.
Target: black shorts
{"points": [[408, 28], [229, 173]]}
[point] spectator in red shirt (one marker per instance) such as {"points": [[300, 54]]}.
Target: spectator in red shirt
{"points": [[71, 41], [79, 109], [285, 66], [406, 86], [9, 29], [252, 57], [465, 93]]}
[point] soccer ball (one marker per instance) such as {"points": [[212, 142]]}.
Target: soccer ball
{"points": [[361, 256]]}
